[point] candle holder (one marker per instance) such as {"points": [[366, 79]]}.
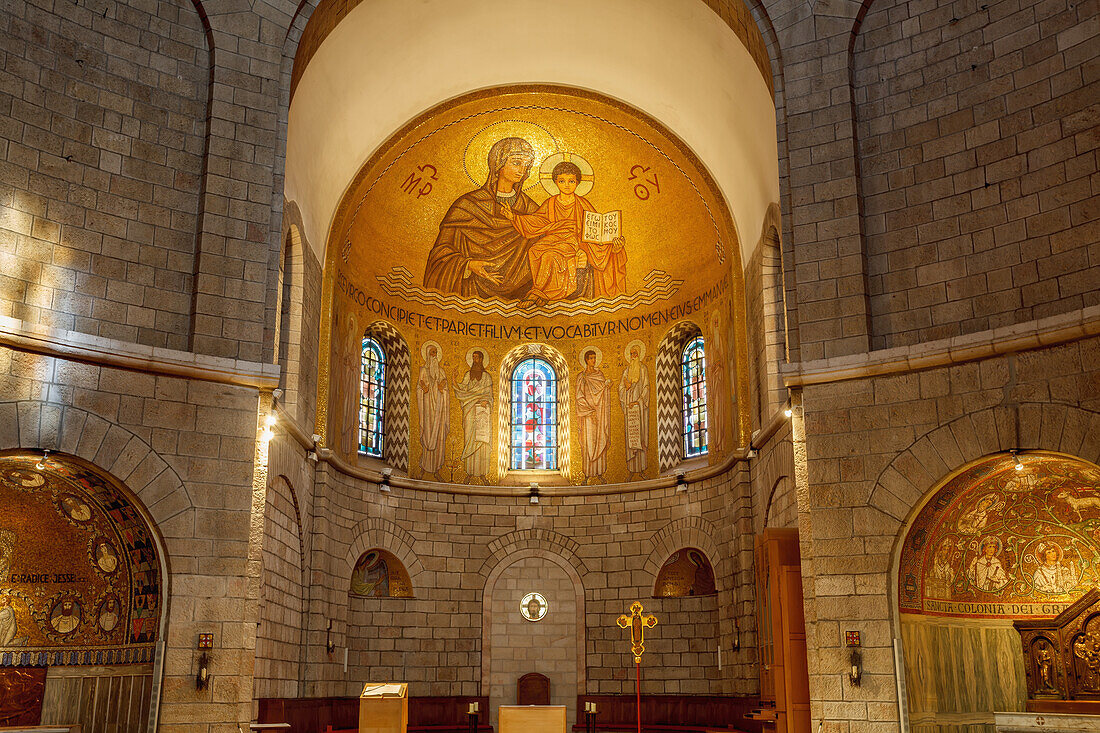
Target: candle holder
{"points": [[590, 717], [471, 716]]}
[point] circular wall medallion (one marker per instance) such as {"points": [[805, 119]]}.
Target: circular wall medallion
{"points": [[533, 607]]}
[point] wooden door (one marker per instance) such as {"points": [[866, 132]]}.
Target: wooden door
{"points": [[784, 673]]}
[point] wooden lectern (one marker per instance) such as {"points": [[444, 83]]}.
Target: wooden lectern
{"points": [[384, 708], [532, 719]]}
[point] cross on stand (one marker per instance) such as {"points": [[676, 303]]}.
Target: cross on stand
{"points": [[638, 622]]}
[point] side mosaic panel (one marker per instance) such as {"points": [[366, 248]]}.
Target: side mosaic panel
{"points": [[79, 574]]}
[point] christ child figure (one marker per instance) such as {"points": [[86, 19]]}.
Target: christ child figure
{"points": [[558, 255]]}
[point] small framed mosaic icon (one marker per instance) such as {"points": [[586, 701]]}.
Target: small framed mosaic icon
{"points": [[533, 607]]}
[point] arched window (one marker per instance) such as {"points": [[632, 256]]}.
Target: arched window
{"points": [[372, 398], [534, 439], [693, 412]]}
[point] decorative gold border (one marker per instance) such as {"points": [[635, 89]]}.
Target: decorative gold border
{"points": [[737, 276]]}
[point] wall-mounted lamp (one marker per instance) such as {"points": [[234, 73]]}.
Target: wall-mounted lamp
{"points": [[277, 394], [534, 494], [736, 646], [330, 645], [312, 455], [202, 677], [750, 452], [1019, 465], [384, 485], [855, 674], [788, 412], [855, 658], [41, 465], [681, 481]]}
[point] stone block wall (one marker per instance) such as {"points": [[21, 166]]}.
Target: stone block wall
{"points": [[976, 125], [102, 135], [875, 448], [282, 605], [184, 447], [455, 545], [550, 646]]}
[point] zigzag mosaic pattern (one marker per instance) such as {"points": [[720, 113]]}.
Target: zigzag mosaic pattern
{"points": [[398, 283], [670, 430], [395, 450]]}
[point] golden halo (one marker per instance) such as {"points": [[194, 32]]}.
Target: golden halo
{"points": [[476, 157], [631, 345], [588, 179], [470, 356], [424, 350], [599, 355]]}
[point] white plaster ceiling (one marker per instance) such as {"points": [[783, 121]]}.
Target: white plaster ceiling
{"points": [[388, 61]]}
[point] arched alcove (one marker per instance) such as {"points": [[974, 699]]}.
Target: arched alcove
{"points": [[82, 601], [553, 645], [1006, 537], [686, 572], [282, 612], [380, 574]]}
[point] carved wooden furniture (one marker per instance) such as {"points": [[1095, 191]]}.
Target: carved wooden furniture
{"points": [[784, 671], [426, 714], [671, 713], [1062, 659], [533, 689]]}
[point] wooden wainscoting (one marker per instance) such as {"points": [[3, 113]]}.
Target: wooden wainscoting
{"points": [[101, 699]]}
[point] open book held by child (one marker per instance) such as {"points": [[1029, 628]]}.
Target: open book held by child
{"points": [[559, 253]]}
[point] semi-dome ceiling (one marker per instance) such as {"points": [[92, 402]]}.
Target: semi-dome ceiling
{"points": [[390, 60]]}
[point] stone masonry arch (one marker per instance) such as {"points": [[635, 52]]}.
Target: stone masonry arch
{"points": [[35, 425], [687, 532]]}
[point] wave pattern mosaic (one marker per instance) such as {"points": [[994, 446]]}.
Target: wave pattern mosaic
{"points": [[79, 573], [1001, 542]]}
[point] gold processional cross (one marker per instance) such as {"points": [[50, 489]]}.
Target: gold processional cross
{"points": [[637, 621]]}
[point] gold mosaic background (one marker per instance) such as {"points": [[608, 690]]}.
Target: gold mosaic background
{"points": [[79, 576], [996, 542], [682, 264]]}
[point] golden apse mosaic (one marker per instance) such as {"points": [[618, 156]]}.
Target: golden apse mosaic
{"points": [[79, 571], [532, 216], [997, 542]]}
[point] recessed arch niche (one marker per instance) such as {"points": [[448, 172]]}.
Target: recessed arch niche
{"points": [[686, 572], [421, 241], [380, 574], [81, 584], [1004, 538]]}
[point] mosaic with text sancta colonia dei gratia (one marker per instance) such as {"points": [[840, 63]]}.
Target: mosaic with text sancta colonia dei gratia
{"points": [[997, 541], [524, 267]]}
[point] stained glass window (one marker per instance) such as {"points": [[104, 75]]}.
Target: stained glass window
{"points": [[693, 370], [372, 402], [534, 416]]}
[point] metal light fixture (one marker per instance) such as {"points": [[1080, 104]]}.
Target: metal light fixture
{"points": [[41, 465], [1019, 464], [534, 494], [681, 481], [202, 679], [855, 674], [384, 485]]}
